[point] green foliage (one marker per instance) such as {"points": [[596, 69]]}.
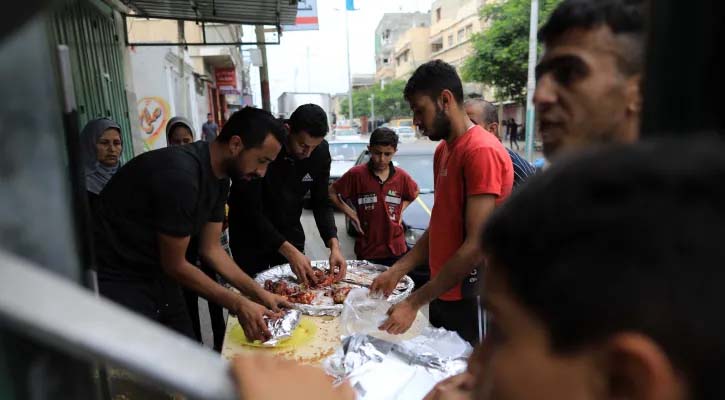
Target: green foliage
{"points": [[389, 102], [501, 52]]}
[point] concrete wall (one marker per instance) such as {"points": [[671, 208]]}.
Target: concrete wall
{"points": [[414, 43]]}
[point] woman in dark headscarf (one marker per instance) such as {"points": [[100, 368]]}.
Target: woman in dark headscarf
{"points": [[179, 132], [102, 146]]}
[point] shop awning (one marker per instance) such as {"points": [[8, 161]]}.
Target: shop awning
{"points": [[249, 12]]}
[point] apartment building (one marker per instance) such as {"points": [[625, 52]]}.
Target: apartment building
{"points": [[391, 27]]}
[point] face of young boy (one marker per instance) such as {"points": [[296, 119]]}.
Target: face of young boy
{"points": [[516, 361], [381, 156]]}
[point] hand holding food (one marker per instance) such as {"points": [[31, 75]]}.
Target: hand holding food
{"points": [[251, 318]]}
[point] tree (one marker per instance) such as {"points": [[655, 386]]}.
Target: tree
{"points": [[389, 101], [501, 52]]}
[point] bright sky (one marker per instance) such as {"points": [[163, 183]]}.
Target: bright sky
{"points": [[290, 69]]}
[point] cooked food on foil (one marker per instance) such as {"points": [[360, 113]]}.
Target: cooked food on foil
{"points": [[324, 285]]}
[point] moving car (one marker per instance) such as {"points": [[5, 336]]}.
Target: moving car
{"points": [[343, 133]]}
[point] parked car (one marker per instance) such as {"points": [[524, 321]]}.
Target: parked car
{"points": [[342, 133], [405, 132], [417, 160]]}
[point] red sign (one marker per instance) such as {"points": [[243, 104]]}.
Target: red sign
{"points": [[226, 78]]}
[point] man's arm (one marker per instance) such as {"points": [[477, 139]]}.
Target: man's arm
{"points": [[468, 256], [465, 259], [213, 254], [385, 283], [172, 253], [325, 217], [245, 202]]}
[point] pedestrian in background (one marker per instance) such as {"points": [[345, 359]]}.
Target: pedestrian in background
{"points": [[101, 147], [513, 134], [209, 129], [179, 132]]}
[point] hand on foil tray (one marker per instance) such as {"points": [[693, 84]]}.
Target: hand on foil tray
{"points": [[338, 265], [251, 318], [259, 377], [385, 283], [302, 267], [274, 301]]}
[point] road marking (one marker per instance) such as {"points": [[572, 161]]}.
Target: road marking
{"points": [[422, 204]]}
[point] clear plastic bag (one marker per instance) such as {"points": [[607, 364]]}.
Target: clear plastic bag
{"points": [[362, 313]]}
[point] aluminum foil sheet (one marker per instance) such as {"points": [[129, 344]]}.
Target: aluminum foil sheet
{"points": [[282, 328], [359, 274], [382, 370]]}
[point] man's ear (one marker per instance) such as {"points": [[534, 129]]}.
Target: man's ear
{"points": [[635, 367], [446, 99], [235, 145], [493, 128], [633, 94]]}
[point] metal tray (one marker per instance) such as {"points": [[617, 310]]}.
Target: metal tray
{"points": [[359, 274]]}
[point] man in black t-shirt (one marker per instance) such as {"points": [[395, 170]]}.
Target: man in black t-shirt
{"points": [[157, 201], [264, 215]]}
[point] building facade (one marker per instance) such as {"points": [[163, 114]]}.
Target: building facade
{"points": [[391, 27], [411, 50], [191, 81]]}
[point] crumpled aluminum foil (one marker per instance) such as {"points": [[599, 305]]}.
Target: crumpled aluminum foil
{"points": [[360, 273], [442, 353], [282, 328]]}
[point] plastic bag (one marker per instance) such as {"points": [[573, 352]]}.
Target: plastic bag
{"points": [[363, 314]]}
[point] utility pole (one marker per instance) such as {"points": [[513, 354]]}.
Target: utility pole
{"points": [[372, 109], [349, 74], [531, 85], [263, 70]]}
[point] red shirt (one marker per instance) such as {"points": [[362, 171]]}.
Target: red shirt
{"points": [[475, 163], [379, 206]]}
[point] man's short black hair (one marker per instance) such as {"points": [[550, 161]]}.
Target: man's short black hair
{"points": [[310, 118], [627, 239], [432, 78], [488, 109], [625, 18], [252, 125], [384, 137]]}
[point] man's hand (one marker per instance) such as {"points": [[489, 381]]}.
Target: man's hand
{"points": [[385, 283], [457, 387], [337, 261], [302, 267], [251, 318], [262, 377], [274, 302], [400, 318]]}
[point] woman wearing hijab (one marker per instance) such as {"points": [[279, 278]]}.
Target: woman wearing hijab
{"points": [[178, 133], [102, 147]]}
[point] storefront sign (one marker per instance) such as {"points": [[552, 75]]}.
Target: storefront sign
{"points": [[306, 17]]}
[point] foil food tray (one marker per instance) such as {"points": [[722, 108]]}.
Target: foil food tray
{"points": [[359, 274]]}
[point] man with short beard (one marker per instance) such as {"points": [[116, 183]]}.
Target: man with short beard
{"points": [[588, 80], [473, 174], [153, 206]]}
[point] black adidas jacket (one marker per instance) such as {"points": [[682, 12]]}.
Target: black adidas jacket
{"points": [[263, 213]]}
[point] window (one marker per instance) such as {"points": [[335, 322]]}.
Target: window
{"points": [[450, 41], [386, 61], [469, 31], [438, 14], [460, 36], [405, 57], [436, 47]]}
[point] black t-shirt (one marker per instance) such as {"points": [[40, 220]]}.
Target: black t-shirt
{"points": [[263, 213], [171, 191]]}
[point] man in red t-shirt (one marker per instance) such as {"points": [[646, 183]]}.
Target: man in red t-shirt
{"points": [[473, 174], [374, 197]]}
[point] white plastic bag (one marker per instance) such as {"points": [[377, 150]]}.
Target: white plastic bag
{"points": [[363, 314]]}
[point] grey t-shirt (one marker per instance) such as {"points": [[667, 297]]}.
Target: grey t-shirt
{"points": [[209, 130]]}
